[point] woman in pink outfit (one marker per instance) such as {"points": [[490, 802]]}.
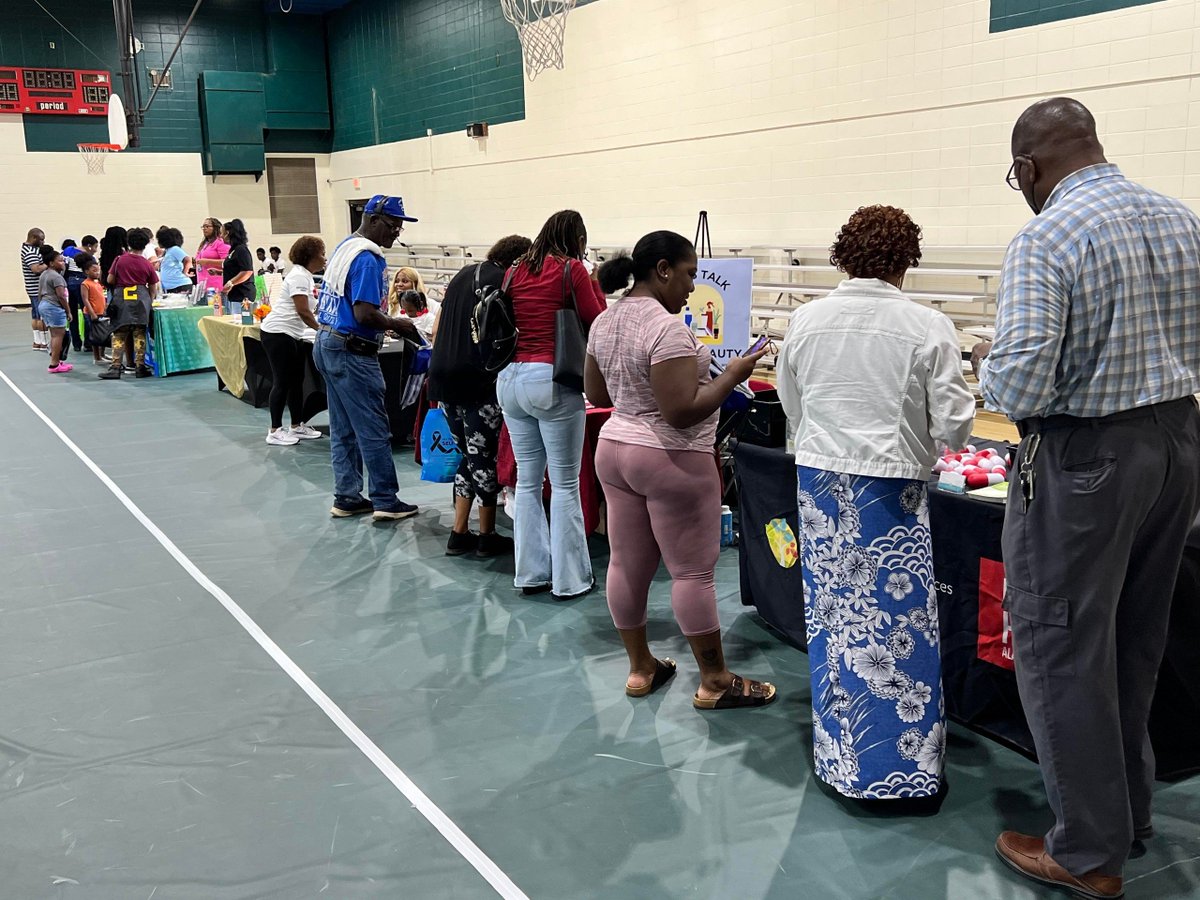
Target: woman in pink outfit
{"points": [[210, 256], [656, 461]]}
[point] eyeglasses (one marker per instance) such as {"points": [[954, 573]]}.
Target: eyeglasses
{"points": [[1011, 178]]}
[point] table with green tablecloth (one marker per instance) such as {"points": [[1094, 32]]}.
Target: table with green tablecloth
{"points": [[178, 344]]}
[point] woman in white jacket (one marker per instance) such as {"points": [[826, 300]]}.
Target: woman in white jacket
{"points": [[871, 383]]}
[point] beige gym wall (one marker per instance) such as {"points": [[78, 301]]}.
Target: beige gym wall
{"points": [[781, 117], [52, 191]]}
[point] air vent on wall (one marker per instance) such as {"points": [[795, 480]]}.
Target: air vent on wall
{"points": [[292, 186]]}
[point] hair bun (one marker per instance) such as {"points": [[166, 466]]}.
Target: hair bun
{"points": [[614, 274]]}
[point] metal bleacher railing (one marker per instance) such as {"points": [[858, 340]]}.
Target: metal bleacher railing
{"points": [[959, 281]]}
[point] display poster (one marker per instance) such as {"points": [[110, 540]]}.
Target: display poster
{"points": [[718, 311]]}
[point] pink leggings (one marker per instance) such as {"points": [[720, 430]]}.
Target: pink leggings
{"points": [[662, 504]]}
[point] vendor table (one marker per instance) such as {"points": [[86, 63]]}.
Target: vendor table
{"points": [[178, 343], [243, 369], [977, 664], [224, 335]]}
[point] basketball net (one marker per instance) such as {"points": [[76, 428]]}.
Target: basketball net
{"points": [[542, 27], [94, 155]]}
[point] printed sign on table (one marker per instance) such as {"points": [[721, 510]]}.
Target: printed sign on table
{"points": [[718, 311]]}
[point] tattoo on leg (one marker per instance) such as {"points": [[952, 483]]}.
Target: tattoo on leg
{"points": [[710, 656]]}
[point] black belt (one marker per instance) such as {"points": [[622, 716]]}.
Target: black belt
{"points": [[354, 343], [1038, 424]]}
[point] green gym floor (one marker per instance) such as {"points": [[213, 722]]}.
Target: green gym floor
{"points": [[214, 690]]}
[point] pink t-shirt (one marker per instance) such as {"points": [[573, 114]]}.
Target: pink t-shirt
{"points": [[626, 341]]}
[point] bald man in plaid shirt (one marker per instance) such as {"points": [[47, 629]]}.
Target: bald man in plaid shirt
{"points": [[1097, 359]]}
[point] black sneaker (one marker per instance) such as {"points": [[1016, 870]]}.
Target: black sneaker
{"points": [[112, 373], [492, 545], [343, 509], [144, 372], [460, 544], [400, 511]]}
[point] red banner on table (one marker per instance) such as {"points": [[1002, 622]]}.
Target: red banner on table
{"points": [[995, 632]]}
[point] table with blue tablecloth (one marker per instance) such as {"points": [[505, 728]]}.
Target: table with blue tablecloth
{"points": [[977, 661]]}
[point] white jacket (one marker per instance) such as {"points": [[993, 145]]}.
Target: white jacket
{"points": [[871, 382]]}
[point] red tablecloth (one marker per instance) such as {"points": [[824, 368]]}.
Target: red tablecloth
{"points": [[589, 485]]}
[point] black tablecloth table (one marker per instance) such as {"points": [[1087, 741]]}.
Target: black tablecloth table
{"points": [[395, 361], [977, 661]]}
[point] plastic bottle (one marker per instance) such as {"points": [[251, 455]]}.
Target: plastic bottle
{"points": [[726, 526], [247, 315]]}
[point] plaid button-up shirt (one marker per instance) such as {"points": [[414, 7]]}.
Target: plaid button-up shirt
{"points": [[1099, 303]]}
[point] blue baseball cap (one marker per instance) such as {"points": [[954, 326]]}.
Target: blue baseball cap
{"points": [[383, 205]]}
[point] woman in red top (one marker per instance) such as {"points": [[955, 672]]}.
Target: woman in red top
{"points": [[545, 420]]}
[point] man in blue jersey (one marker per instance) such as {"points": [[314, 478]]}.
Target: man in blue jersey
{"points": [[350, 311]]}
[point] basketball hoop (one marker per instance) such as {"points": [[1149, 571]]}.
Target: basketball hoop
{"points": [[93, 155], [542, 27]]}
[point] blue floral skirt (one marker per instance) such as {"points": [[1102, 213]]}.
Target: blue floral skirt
{"points": [[871, 613]]}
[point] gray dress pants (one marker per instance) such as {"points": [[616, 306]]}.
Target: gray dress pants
{"points": [[1091, 562]]}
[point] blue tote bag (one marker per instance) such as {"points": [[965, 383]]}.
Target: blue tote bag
{"points": [[439, 454]]}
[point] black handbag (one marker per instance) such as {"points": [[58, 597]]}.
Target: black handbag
{"points": [[99, 331], [570, 342]]}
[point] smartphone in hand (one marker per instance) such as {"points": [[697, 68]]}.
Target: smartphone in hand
{"points": [[759, 344]]}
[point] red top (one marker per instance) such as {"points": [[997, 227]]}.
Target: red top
{"points": [[132, 268], [536, 299]]}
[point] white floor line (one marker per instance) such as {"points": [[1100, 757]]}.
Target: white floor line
{"points": [[483, 864]]}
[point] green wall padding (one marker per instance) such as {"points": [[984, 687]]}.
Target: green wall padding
{"points": [[225, 36], [438, 64], [1010, 14]]}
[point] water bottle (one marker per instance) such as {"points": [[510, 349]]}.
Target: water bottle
{"points": [[726, 526], [209, 296]]}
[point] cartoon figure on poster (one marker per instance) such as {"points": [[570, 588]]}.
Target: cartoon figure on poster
{"points": [[718, 311]]}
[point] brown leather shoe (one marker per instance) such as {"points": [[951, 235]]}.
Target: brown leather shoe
{"points": [[1027, 856]]}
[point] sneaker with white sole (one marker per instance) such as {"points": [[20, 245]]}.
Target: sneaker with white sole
{"points": [[347, 507], [400, 511], [281, 437], [305, 432]]}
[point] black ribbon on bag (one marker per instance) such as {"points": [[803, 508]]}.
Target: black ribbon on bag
{"points": [[437, 445]]}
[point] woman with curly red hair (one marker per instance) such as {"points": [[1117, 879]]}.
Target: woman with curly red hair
{"points": [[871, 383]]}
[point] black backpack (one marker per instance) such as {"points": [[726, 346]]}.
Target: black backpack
{"points": [[493, 325]]}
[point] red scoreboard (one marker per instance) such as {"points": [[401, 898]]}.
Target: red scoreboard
{"points": [[54, 92]]}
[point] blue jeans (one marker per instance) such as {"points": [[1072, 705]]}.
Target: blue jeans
{"points": [[358, 424], [52, 314], [545, 422]]}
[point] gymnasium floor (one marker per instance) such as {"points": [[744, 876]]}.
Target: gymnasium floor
{"points": [[152, 748]]}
